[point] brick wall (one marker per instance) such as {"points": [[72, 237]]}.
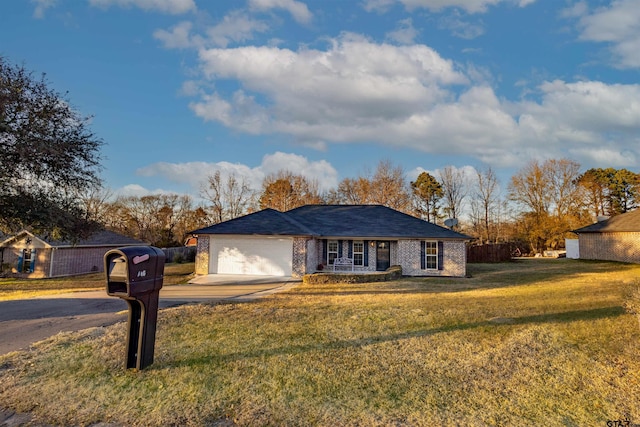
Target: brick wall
{"points": [[202, 255], [313, 258], [454, 261], [624, 247], [299, 257], [406, 253]]}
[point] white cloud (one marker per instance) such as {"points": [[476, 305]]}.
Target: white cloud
{"points": [[189, 88], [405, 34], [613, 157], [237, 26], [136, 190], [409, 96], [178, 37], [41, 7], [320, 170], [591, 107], [576, 10], [459, 27], [298, 10], [174, 7], [353, 84], [380, 6], [617, 25], [195, 173], [469, 6], [591, 121]]}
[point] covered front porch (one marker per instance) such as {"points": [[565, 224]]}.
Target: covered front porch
{"points": [[355, 255]]}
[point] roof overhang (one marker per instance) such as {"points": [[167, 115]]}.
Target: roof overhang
{"points": [[20, 235]]}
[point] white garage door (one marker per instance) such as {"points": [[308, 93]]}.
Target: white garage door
{"points": [[263, 256]]}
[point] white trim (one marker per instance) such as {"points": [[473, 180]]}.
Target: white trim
{"points": [[353, 250], [336, 252], [430, 255]]}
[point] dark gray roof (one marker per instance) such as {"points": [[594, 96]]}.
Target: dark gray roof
{"points": [[333, 221], [629, 221], [266, 222]]}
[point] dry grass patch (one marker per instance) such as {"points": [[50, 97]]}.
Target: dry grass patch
{"points": [[12, 288], [528, 343]]}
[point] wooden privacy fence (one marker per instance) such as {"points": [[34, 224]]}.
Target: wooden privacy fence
{"points": [[188, 253], [498, 252]]}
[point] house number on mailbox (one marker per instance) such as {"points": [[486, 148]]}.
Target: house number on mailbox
{"points": [[142, 273]]}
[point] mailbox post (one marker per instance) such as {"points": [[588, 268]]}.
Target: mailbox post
{"points": [[135, 274]]}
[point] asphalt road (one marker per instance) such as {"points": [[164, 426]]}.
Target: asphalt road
{"points": [[23, 322]]}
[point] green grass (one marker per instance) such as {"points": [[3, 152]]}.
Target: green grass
{"points": [[535, 342], [12, 288]]}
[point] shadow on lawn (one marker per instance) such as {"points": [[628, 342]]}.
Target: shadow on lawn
{"points": [[562, 317], [482, 276]]}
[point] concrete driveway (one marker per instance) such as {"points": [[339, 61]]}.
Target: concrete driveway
{"points": [[216, 287], [23, 322]]}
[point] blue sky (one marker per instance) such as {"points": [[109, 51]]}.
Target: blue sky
{"points": [[182, 88]]}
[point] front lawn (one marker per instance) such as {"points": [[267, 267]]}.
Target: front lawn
{"points": [[12, 288], [532, 342]]}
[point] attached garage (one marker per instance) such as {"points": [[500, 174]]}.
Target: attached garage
{"points": [[254, 255]]}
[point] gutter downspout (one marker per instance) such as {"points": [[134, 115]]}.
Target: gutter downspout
{"points": [[53, 250]]}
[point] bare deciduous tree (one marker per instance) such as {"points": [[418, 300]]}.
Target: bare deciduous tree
{"points": [[386, 186], [96, 202], [229, 198], [162, 220], [454, 186], [485, 204]]}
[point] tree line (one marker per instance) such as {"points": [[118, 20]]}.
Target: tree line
{"points": [[537, 207], [49, 183]]}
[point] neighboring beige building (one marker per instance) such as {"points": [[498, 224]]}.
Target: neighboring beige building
{"points": [[31, 256], [614, 239]]}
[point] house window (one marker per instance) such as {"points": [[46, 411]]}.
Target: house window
{"points": [[26, 261], [358, 253], [431, 255], [332, 251]]}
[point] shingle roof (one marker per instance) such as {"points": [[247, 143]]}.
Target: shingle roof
{"points": [[266, 222], [333, 221], [629, 221], [99, 238]]}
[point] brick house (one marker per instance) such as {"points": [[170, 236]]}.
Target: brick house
{"points": [[310, 238], [31, 256], [613, 239]]}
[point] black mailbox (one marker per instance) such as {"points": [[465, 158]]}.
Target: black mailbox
{"points": [[135, 274]]}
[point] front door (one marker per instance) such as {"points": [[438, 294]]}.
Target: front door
{"points": [[383, 256]]}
